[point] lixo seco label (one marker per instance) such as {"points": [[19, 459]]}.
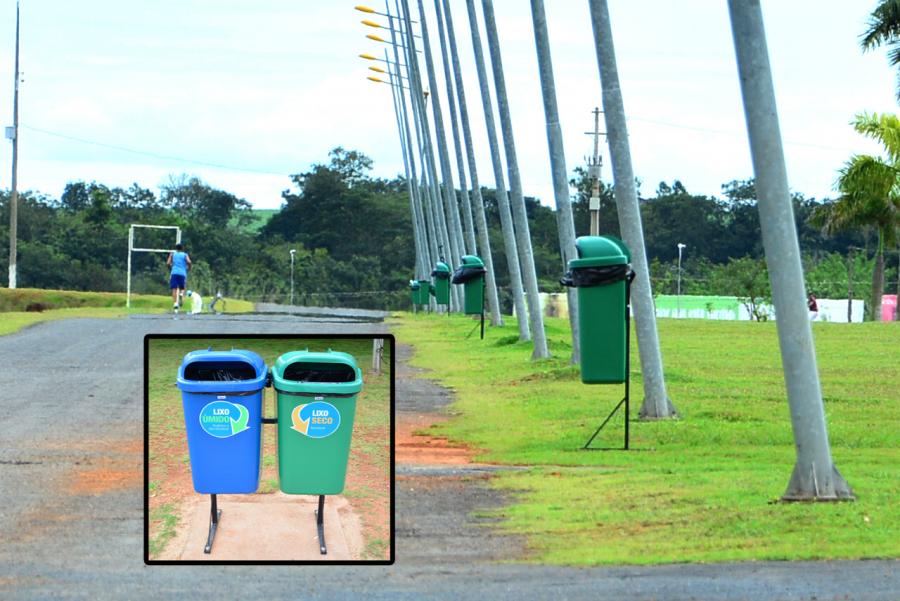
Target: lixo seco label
{"points": [[316, 420], [223, 419]]}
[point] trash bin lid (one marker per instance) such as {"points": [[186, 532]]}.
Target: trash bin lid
{"points": [[413, 284], [472, 260], [317, 373], [598, 251], [222, 371], [441, 266]]}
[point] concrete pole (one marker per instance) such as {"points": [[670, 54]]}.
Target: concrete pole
{"points": [[656, 401], [815, 476], [440, 224], [484, 240], [564, 220], [506, 225], [409, 156], [520, 217], [457, 246], [14, 192], [471, 247], [396, 86]]}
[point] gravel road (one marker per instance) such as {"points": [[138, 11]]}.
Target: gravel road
{"points": [[71, 409]]}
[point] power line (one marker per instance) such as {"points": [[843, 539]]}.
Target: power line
{"points": [[149, 153], [726, 133]]}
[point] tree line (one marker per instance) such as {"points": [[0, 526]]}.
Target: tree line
{"points": [[353, 239]]}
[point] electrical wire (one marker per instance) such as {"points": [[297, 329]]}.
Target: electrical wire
{"points": [[149, 153]]}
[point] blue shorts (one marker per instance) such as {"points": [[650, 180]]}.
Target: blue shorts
{"points": [[177, 281]]}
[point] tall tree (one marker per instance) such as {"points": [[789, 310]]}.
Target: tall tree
{"points": [[884, 30], [870, 194]]}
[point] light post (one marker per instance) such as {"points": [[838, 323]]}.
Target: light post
{"points": [[293, 252], [681, 247]]}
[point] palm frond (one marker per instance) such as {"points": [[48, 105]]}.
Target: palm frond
{"points": [[883, 128], [883, 25]]}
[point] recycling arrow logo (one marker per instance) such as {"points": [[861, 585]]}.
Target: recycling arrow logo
{"points": [[223, 419], [316, 420]]}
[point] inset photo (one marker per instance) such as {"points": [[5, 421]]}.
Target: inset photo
{"points": [[268, 449]]}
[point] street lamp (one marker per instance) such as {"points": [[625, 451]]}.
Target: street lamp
{"points": [[293, 252], [681, 247]]}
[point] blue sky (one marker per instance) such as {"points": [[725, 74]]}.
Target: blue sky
{"points": [[264, 89]]}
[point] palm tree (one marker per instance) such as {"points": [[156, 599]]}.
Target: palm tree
{"points": [[870, 194], [884, 29]]}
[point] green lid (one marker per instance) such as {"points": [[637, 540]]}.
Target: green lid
{"points": [[331, 372], [472, 260], [599, 251], [441, 266]]}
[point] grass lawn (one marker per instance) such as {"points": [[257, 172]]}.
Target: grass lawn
{"points": [[63, 304], [699, 489], [368, 474]]}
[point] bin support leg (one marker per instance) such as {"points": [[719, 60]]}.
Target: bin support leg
{"points": [[320, 525], [214, 514], [627, 398]]}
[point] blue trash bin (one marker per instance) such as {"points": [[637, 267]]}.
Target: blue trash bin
{"points": [[222, 396]]}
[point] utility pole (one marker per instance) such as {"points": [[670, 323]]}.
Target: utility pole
{"points": [[420, 100], [484, 240], [565, 222], [594, 165], [815, 477], [471, 246], [506, 225], [520, 217], [396, 81], [451, 207], [656, 403], [14, 193]]}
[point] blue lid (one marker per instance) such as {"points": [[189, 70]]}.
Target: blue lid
{"points": [[247, 363]]}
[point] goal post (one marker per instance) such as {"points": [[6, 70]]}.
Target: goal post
{"points": [[134, 249]]}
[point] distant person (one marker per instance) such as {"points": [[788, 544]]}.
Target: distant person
{"points": [[813, 306], [180, 263], [196, 301]]}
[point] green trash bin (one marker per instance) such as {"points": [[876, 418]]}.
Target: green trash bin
{"points": [[471, 275], [316, 400], [414, 291], [441, 275], [424, 292], [601, 273]]}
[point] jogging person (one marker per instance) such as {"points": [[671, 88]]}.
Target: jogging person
{"points": [[180, 263]]}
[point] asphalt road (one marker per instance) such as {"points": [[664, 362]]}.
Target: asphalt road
{"points": [[71, 409]]}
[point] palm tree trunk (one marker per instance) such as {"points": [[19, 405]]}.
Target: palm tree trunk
{"points": [[878, 279]]}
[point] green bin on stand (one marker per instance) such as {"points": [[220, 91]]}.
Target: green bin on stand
{"points": [[424, 292], [441, 275], [414, 287], [316, 401], [601, 274], [471, 275]]}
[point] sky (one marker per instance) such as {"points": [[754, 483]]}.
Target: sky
{"points": [[242, 94]]}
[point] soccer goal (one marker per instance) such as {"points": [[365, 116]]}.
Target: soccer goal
{"points": [[135, 249]]}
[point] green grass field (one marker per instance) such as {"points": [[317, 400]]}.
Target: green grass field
{"points": [[260, 218], [368, 477], [699, 489], [66, 304]]}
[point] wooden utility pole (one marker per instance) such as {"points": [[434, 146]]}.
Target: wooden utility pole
{"points": [[14, 194]]}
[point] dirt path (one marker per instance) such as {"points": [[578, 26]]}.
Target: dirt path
{"points": [[438, 486]]}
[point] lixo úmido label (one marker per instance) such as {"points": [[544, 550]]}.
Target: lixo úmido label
{"points": [[223, 419], [316, 420]]}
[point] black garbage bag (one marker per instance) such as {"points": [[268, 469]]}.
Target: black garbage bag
{"points": [[586, 277], [467, 273]]}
